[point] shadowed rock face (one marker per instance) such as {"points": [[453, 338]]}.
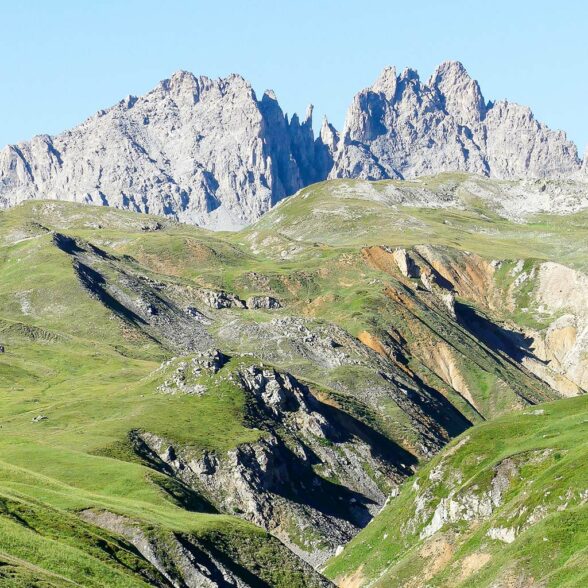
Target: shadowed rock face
{"points": [[274, 482], [208, 152]]}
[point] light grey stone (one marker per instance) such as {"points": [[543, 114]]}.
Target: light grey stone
{"points": [[401, 127], [199, 150]]}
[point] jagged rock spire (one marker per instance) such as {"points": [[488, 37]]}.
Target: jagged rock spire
{"points": [[402, 127], [328, 134], [386, 83], [461, 95]]}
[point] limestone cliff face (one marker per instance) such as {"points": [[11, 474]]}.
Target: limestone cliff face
{"points": [[401, 128], [203, 151], [275, 482], [208, 152]]}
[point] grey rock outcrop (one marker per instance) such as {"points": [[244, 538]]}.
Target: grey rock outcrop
{"points": [[185, 560], [184, 379], [218, 299], [401, 127], [283, 481], [202, 151], [266, 302], [469, 506], [181, 563], [325, 147], [208, 152]]}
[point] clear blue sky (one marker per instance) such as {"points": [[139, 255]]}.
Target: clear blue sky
{"points": [[63, 60]]}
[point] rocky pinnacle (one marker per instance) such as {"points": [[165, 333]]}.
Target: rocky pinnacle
{"points": [[209, 152]]}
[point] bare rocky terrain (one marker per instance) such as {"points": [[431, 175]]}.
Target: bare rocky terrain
{"points": [[402, 127], [211, 153]]}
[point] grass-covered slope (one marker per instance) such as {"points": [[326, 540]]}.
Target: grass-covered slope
{"points": [[76, 377], [505, 504], [124, 461], [457, 210]]}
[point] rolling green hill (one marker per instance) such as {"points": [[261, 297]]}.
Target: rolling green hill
{"points": [[182, 407], [505, 504]]}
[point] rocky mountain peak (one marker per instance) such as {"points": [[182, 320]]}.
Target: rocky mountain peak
{"points": [[269, 95], [409, 75], [402, 128], [236, 83], [128, 102], [199, 150], [324, 148], [182, 81], [460, 94], [183, 84], [328, 133], [306, 121], [207, 151], [179, 78], [449, 70], [386, 83]]}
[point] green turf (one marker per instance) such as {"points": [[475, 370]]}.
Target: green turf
{"points": [[70, 359], [552, 485]]}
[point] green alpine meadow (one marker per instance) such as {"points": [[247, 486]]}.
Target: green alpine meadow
{"points": [[359, 389], [310, 311]]}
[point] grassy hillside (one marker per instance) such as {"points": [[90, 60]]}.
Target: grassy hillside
{"points": [[444, 210], [108, 432], [75, 380], [504, 504]]}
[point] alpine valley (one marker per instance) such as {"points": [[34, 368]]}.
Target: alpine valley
{"points": [[234, 354]]}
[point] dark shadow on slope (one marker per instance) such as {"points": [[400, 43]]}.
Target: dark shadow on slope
{"points": [[345, 427], [511, 343], [67, 244], [92, 280], [157, 317], [293, 478], [72, 246], [45, 521], [183, 496], [471, 335], [216, 575], [13, 514], [95, 283], [440, 280], [178, 492], [115, 549], [434, 405]]}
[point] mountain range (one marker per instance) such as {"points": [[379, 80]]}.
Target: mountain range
{"points": [[379, 381], [209, 152]]}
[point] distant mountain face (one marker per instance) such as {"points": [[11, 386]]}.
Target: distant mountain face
{"points": [[209, 152], [203, 151], [401, 128]]}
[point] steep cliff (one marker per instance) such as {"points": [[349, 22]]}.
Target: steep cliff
{"points": [[402, 127], [202, 151]]}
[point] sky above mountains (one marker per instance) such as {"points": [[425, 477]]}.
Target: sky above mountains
{"points": [[64, 60]]}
